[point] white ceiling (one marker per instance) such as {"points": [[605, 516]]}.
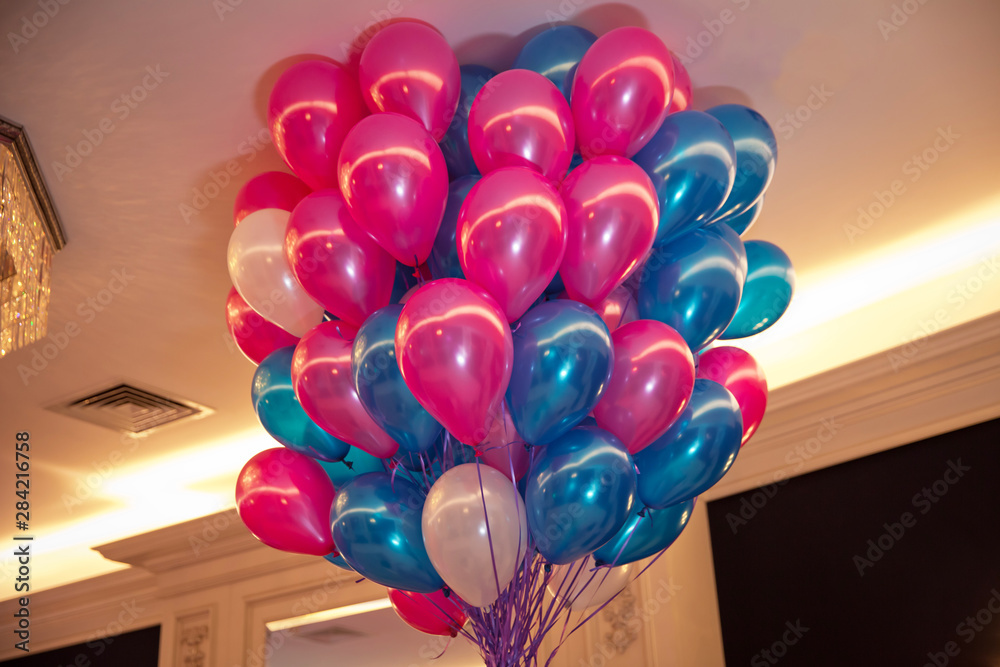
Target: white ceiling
{"points": [[122, 206]]}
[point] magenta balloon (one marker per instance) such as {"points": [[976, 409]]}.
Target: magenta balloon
{"points": [[621, 92], [285, 499], [511, 236], [408, 68], [651, 383], [272, 189], [312, 107], [681, 99], [455, 351], [613, 213], [322, 378], [503, 448], [336, 261], [395, 181], [255, 336], [519, 119], [737, 370]]}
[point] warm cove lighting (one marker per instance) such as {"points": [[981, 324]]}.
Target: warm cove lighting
{"points": [[161, 493], [884, 298], [329, 615]]}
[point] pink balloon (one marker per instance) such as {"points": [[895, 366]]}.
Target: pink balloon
{"points": [[736, 370], [511, 237], [408, 68], [395, 181], [285, 499], [503, 448], [272, 189], [621, 92], [455, 351], [432, 614], [618, 309], [651, 383], [681, 99], [519, 119], [321, 376], [255, 336], [312, 107], [336, 261], [613, 214]]}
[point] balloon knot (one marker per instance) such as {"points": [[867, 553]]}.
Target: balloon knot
{"points": [[642, 512], [350, 466], [548, 567], [447, 594]]}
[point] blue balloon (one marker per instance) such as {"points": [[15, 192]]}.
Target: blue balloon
{"points": [[381, 387], [767, 293], [376, 527], [742, 222], [694, 285], [443, 261], [356, 462], [281, 414], [756, 155], [695, 452], [645, 533], [555, 54], [691, 161], [430, 461], [556, 286], [563, 359], [574, 163], [339, 561], [403, 282], [455, 143], [579, 491]]}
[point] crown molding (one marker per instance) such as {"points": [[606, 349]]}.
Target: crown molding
{"points": [[948, 381]]}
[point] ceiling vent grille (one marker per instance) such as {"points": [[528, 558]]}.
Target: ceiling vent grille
{"points": [[130, 409]]}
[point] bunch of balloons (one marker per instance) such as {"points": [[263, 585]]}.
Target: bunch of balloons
{"points": [[485, 312]]}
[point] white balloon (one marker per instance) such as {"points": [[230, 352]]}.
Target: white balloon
{"points": [[588, 589], [455, 536], [261, 273]]}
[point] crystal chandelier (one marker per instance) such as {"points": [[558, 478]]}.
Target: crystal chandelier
{"points": [[30, 233]]}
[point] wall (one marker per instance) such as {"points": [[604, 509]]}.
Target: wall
{"points": [[212, 587]]}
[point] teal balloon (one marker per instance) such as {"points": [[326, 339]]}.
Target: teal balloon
{"points": [[555, 53], [742, 222], [767, 293], [691, 161], [695, 452], [455, 143], [443, 261], [381, 387], [376, 527], [563, 357], [694, 284], [355, 463], [645, 533], [756, 156], [339, 561], [281, 414], [579, 491]]}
